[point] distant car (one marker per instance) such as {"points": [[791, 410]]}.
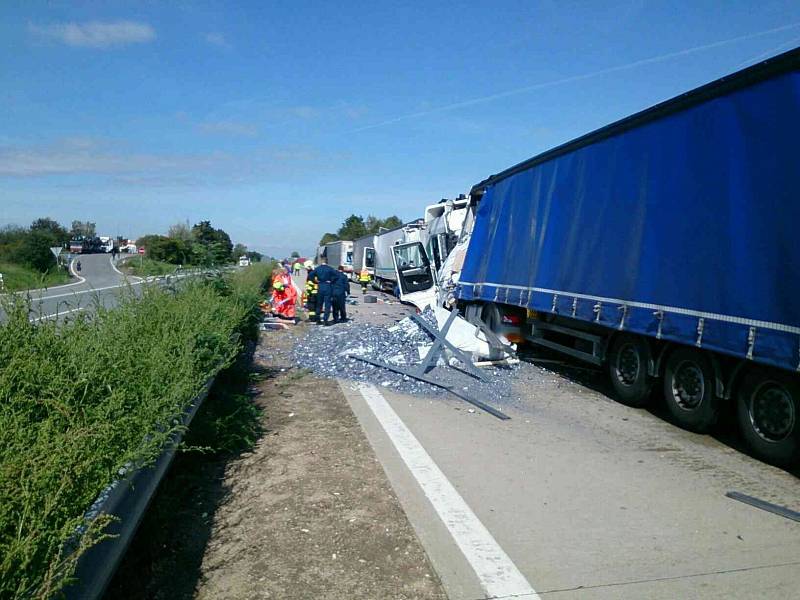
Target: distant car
{"points": [[244, 261]]}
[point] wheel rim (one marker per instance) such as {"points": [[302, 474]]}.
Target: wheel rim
{"points": [[688, 385], [628, 365], [772, 411]]}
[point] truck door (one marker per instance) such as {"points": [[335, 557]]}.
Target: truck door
{"points": [[369, 259], [414, 274]]}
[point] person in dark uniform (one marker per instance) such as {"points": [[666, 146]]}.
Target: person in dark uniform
{"points": [[325, 277], [311, 293], [340, 288]]}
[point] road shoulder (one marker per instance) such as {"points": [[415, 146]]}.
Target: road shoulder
{"points": [[309, 513]]}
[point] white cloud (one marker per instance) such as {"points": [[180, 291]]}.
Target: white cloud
{"points": [[235, 128], [96, 34], [86, 155], [303, 112], [217, 39], [81, 156]]}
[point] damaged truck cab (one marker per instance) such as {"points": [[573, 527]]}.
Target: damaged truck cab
{"points": [[662, 248]]}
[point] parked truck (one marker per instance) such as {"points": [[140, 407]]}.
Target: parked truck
{"points": [[662, 248], [363, 257], [385, 276], [339, 254]]}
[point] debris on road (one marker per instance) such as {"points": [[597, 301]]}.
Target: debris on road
{"points": [[341, 352], [270, 323]]}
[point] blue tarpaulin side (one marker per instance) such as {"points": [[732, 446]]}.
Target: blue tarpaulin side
{"points": [[684, 228]]}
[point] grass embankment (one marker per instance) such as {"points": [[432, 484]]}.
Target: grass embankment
{"points": [[146, 267], [81, 399], [18, 277]]}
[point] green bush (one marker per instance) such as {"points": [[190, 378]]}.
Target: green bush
{"points": [[18, 277], [146, 267], [81, 399]]}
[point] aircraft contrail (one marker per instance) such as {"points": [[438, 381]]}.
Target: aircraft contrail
{"points": [[546, 84], [772, 51]]}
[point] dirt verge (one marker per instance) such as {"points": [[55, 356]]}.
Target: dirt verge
{"points": [[308, 513]]}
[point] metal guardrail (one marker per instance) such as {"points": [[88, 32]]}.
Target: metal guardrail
{"points": [[127, 499]]}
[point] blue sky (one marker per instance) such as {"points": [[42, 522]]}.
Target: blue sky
{"points": [[278, 119]]}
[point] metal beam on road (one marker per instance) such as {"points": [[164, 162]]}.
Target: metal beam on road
{"points": [[430, 380], [782, 511], [439, 340]]}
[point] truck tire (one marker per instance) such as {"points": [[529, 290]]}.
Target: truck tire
{"points": [[627, 366], [689, 390], [768, 408]]}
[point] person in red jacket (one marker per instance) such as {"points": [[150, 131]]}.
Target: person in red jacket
{"points": [[284, 295]]}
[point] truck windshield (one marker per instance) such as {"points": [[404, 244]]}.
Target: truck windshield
{"points": [[410, 257]]}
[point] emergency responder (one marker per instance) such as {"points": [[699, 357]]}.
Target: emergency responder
{"points": [[340, 287], [284, 296], [363, 279], [325, 277], [311, 293]]}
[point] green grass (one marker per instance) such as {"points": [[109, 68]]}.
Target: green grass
{"points": [[18, 277], [146, 267], [74, 409]]}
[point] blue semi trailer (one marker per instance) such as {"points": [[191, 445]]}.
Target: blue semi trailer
{"points": [[666, 248]]}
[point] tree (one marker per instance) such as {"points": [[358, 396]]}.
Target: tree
{"points": [[254, 256], [239, 250], [327, 238], [166, 249], [52, 228], [180, 231], [34, 251], [84, 228], [295, 254], [374, 224], [216, 243], [352, 228], [391, 222]]}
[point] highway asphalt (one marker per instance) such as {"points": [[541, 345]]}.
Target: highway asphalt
{"points": [[578, 496], [98, 283]]}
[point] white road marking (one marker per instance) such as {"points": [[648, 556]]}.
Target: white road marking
{"points": [[75, 274], [100, 289], [113, 266], [58, 314], [496, 572]]}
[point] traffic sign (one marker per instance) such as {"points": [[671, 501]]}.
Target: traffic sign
{"points": [[141, 250], [56, 250]]}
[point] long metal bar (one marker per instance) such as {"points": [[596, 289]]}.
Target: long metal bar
{"points": [[489, 409], [589, 337], [564, 349], [782, 511], [460, 354]]}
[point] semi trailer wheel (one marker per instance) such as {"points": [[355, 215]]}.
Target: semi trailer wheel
{"points": [[689, 390], [768, 407], [627, 366]]}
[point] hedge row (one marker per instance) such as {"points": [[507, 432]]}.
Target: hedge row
{"points": [[80, 400]]}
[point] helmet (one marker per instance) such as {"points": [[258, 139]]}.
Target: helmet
{"points": [[308, 264]]}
